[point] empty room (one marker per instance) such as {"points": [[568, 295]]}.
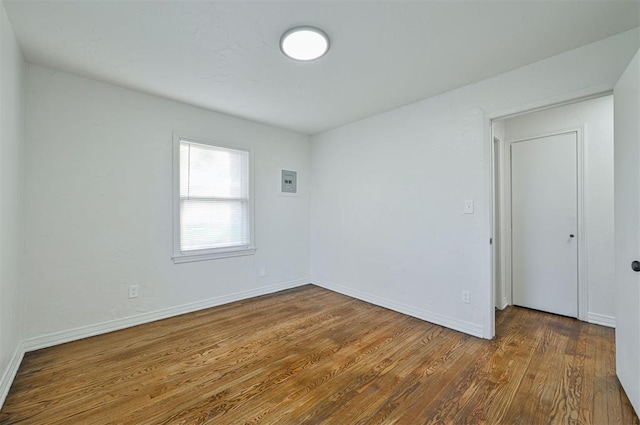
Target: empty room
{"points": [[319, 212]]}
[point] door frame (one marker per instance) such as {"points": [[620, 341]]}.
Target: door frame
{"points": [[488, 301], [506, 223]]}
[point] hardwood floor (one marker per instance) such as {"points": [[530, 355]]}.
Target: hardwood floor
{"points": [[311, 356]]}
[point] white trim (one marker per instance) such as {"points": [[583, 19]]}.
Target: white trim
{"points": [[496, 290], [503, 303], [489, 316], [10, 373], [49, 340], [428, 316], [187, 258], [502, 245], [552, 102], [505, 220], [583, 236], [601, 319]]}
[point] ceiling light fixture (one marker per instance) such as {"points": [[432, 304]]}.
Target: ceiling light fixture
{"points": [[304, 43]]}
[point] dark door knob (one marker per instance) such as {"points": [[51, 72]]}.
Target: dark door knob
{"points": [[635, 266], [572, 236]]}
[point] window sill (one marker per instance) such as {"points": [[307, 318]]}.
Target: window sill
{"points": [[187, 258]]}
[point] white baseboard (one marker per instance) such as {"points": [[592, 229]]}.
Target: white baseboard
{"points": [[428, 316], [503, 304], [10, 373], [601, 319], [56, 338]]}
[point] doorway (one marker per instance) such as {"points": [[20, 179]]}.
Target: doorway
{"points": [[562, 260]]}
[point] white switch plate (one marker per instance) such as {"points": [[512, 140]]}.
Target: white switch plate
{"points": [[466, 297], [134, 291], [468, 207], [262, 271]]}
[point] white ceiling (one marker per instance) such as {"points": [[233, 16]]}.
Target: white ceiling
{"points": [[224, 56]]}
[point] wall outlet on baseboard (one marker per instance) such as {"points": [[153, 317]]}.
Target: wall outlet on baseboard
{"points": [[466, 297], [134, 291]]}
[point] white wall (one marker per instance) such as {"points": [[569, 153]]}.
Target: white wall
{"points": [[596, 117], [387, 220], [98, 207], [11, 154]]}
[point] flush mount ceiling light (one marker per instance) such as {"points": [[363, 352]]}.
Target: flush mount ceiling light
{"points": [[304, 43]]}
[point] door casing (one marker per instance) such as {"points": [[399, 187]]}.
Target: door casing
{"points": [[505, 233]]}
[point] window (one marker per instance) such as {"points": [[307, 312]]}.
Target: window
{"points": [[213, 208]]}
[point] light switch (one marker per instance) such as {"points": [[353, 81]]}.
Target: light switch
{"points": [[468, 207]]}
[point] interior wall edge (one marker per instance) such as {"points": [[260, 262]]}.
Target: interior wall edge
{"points": [[12, 107]]}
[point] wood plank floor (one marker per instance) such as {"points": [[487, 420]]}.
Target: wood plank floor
{"points": [[311, 356]]}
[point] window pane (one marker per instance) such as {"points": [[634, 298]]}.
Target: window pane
{"points": [[206, 224], [184, 169], [213, 172], [214, 197]]}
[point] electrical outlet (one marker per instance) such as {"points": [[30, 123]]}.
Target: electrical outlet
{"points": [[262, 271], [466, 297], [134, 291]]}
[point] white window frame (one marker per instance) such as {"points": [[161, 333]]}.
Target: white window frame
{"points": [[180, 256]]}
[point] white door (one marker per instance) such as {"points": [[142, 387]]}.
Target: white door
{"points": [[544, 199], [626, 97]]}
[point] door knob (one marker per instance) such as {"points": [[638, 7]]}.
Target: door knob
{"points": [[572, 236], [635, 266]]}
